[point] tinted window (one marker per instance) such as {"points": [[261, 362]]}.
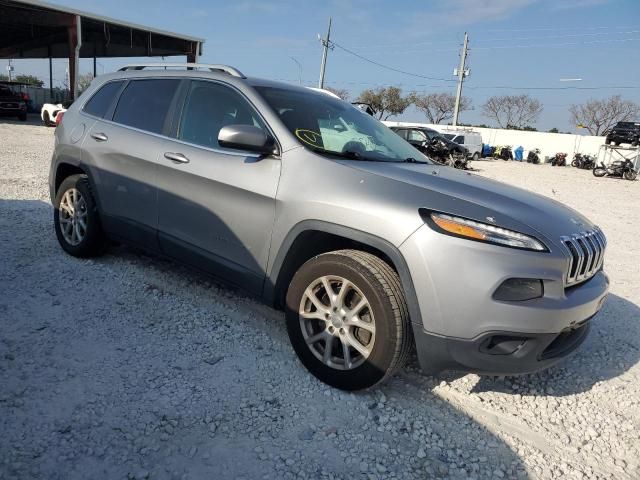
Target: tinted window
{"points": [[144, 104], [209, 107], [459, 140], [101, 100]]}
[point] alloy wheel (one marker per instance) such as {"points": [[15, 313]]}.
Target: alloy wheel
{"points": [[73, 216], [337, 322]]}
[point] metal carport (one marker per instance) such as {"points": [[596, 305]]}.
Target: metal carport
{"points": [[35, 29]]}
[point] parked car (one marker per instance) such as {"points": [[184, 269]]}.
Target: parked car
{"points": [[435, 146], [472, 141], [624, 132], [50, 112], [369, 248], [12, 103]]}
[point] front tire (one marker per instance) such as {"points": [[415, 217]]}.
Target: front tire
{"points": [[347, 319], [630, 174], [76, 220]]}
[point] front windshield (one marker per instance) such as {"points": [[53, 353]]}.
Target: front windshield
{"points": [[332, 126]]}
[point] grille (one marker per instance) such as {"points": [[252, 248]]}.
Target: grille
{"points": [[586, 251]]}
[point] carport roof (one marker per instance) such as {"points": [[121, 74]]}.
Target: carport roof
{"points": [[35, 29]]}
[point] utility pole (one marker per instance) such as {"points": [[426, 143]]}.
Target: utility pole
{"points": [[460, 72], [325, 50], [299, 69]]}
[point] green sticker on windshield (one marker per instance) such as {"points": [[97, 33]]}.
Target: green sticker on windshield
{"points": [[310, 137]]}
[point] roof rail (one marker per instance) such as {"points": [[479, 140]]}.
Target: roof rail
{"points": [[214, 68]]}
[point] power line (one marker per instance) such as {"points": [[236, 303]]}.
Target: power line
{"points": [[387, 67]]}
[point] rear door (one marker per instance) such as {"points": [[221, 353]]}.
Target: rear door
{"points": [[216, 205], [123, 150]]}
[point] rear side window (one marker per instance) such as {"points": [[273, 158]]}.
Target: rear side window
{"points": [[101, 100], [144, 104], [402, 133]]}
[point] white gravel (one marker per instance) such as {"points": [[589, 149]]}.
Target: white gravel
{"points": [[129, 366]]}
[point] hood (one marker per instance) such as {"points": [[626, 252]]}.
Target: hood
{"points": [[462, 190]]}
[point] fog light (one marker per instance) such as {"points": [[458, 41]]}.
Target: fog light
{"points": [[519, 290]]}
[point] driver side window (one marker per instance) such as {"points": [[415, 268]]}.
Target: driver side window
{"points": [[416, 136], [210, 106]]}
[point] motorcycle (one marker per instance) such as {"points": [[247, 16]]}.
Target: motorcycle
{"points": [[503, 152], [560, 160], [585, 162], [619, 168], [534, 156]]}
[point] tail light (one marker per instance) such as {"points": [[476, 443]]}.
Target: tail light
{"points": [[59, 118]]}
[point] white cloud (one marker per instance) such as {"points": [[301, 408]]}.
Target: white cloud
{"points": [[467, 12]]}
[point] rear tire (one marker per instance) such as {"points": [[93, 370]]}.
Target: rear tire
{"points": [[46, 119], [476, 157], [575, 163], [599, 172], [76, 220], [377, 337]]}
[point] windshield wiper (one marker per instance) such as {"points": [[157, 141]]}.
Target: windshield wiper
{"points": [[348, 154], [413, 160]]}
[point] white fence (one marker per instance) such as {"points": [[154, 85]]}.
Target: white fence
{"points": [[548, 143]]}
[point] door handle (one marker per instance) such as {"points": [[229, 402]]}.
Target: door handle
{"points": [[99, 137], [176, 157]]}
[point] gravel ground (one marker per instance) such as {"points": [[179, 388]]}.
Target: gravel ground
{"points": [[129, 366]]}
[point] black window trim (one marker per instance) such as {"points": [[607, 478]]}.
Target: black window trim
{"points": [[111, 107]]}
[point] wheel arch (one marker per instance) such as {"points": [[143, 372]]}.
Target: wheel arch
{"points": [[65, 170], [314, 237], [67, 167]]}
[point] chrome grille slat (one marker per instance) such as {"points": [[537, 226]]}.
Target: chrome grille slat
{"points": [[586, 255]]}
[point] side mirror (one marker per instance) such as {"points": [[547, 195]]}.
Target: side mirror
{"points": [[246, 137]]}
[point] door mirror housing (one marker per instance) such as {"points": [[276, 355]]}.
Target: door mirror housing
{"points": [[247, 137]]}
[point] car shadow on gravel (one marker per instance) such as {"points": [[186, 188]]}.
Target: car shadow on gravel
{"points": [[611, 349], [124, 384]]}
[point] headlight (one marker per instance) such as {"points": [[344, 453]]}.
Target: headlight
{"points": [[465, 228]]}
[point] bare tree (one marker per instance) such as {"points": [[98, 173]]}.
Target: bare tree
{"points": [[84, 81], [340, 92], [512, 110], [438, 107], [598, 116], [385, 102]]}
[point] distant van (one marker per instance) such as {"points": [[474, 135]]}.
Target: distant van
{"points": [[471, 140]]}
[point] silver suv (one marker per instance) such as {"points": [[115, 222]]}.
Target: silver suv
{"points": [[312, 205]]}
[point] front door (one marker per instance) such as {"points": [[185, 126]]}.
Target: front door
{"points": [[216, 206]]}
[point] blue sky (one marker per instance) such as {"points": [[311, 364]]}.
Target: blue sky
{"points": [[513, 43]]}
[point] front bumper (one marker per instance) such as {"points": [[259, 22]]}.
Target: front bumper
{"points": [[464, 328], [497, 353]]}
